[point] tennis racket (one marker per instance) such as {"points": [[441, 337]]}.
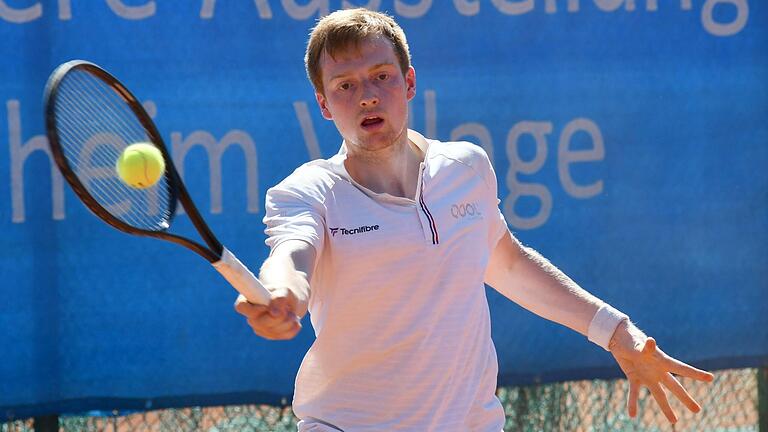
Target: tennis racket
{"points": [[90, 119]]}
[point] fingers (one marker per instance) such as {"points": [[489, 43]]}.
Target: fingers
{"points": [[271, 328], [651, 368], [661, 399], [681, 393], [243, 307], [281, 306], [650, 346], [275, 321], [676, 366], [679, 368], [634, 393]]}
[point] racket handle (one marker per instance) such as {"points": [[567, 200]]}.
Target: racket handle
{"points": [[241, 278]]}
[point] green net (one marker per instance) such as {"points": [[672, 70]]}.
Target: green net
{"points": [[732, 403]]}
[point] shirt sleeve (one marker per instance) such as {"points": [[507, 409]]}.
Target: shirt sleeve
{"points": [[293, 212], [497, 225]]}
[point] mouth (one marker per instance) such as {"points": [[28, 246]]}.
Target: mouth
{"points": [[371, 122]]}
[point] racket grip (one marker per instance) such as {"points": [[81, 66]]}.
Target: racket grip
{"points": [[241, 278]]}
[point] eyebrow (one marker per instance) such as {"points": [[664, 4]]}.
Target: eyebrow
{"points": [[376, 66]]}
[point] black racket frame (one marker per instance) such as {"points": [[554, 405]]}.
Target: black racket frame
{"points": [[177, 190]]}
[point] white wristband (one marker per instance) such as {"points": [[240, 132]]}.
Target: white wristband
{"points": [[604, 324]]}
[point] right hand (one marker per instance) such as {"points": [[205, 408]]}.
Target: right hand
{"points": [[276, 321]]}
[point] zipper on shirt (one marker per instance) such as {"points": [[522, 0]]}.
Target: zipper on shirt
{"points": [[425, 209]]}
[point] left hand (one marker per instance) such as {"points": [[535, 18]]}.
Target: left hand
{"points": [[645, 365]]}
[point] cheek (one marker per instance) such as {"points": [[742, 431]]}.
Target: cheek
{"points": [[341, 112], [394, 86], [397, 91], [339, 102]]}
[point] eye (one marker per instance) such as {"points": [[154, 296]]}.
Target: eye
{"points": [[382, 76], [345, 86]]}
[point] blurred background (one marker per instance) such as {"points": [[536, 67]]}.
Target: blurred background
{"points": [[630, 143]]}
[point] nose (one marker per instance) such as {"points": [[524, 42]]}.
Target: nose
{"points": [[369, 98]]}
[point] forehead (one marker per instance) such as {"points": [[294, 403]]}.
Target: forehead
{"points": [[368, 52]]}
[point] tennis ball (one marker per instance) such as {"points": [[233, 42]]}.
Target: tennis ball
{"points": [[141, 165]]}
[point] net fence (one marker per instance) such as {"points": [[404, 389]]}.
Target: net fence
{"points": [[734, 402]]}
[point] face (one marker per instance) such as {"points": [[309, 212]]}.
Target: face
{"points": [[366, 95]]}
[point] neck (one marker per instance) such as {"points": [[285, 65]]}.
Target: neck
{"points": [[393, 170]]}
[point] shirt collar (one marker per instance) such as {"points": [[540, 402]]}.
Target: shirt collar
{"points": [[336, 162]]}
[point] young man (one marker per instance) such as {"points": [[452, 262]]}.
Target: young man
{"points": [[397, 273]]}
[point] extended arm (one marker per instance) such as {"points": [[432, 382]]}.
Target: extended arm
{"points": [[527, 278]]}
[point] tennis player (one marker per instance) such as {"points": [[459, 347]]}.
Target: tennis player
{"points": [[388, 245]]}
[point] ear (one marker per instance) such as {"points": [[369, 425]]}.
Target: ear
{"points": [[410, 83], [323, 104]]}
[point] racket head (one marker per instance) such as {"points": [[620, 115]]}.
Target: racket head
{"points": [[90, 119]]}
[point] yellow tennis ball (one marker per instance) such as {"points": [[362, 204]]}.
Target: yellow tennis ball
{"points": [[141, 165]]}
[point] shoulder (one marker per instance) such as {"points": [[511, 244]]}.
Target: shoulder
{"points": [[312, 180], [460, 152]]}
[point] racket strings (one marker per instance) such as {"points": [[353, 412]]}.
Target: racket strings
{"points": [[105, 159], [95, 125]]}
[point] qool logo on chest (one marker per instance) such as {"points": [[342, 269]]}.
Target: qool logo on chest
{"points": [[353, 231], [466, 211]]}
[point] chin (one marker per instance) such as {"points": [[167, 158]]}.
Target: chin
{"points": [[378, 141]]}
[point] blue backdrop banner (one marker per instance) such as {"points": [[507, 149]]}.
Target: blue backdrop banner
{"points": [[630, 140]]}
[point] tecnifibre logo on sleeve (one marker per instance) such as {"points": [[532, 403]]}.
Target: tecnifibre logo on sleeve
{"points": [[353, 231]]}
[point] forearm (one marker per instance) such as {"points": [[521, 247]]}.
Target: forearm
{"points": [[289, 267], [530, 280], [537, 285]]}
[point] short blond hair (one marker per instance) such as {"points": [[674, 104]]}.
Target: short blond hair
{"points": [[346, 29]]}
